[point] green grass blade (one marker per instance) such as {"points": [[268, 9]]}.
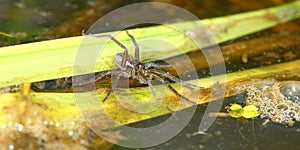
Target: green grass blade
{"points": [[55, 58]]}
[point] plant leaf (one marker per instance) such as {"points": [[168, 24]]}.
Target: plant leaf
{"points": [[55, 58]]}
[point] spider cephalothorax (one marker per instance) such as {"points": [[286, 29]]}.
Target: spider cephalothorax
{"points": [[131, 67]]}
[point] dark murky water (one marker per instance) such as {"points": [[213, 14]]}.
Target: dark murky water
{"points": [[229, 134]]}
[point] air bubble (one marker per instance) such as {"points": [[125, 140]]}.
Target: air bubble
{"points": [[20, 127], [292, 114], [291, 90], [282, 107], [262, 108], [11, 146], [73, 123], [271, 111], [45, 122], [277, 119], [70, 133]]}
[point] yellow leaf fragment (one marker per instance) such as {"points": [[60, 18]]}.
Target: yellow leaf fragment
{"points": [[236, 111], [250, 111]]}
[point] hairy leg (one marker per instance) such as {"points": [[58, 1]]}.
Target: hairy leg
{"points": [[88, 78], [154, 65], [161, 79], [125, 53], [148, 82], [113, 85], [175, 79], [137, 49]]}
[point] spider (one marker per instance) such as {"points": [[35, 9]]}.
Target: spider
{"points": [[131, 67]]}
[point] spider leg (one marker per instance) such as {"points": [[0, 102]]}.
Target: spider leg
{"points": [[100, 75], [175, 79], [113, 86], [148, 82], [161, 79], [125, 53], [157, 66], [151, 88], [85, 79], [107, 95], [137, 49]]}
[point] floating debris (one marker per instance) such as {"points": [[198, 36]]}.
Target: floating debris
{"points": [[277, 101], [248, 111]]}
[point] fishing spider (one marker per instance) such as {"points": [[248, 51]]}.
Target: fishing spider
{"points": [[131, 67]]}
